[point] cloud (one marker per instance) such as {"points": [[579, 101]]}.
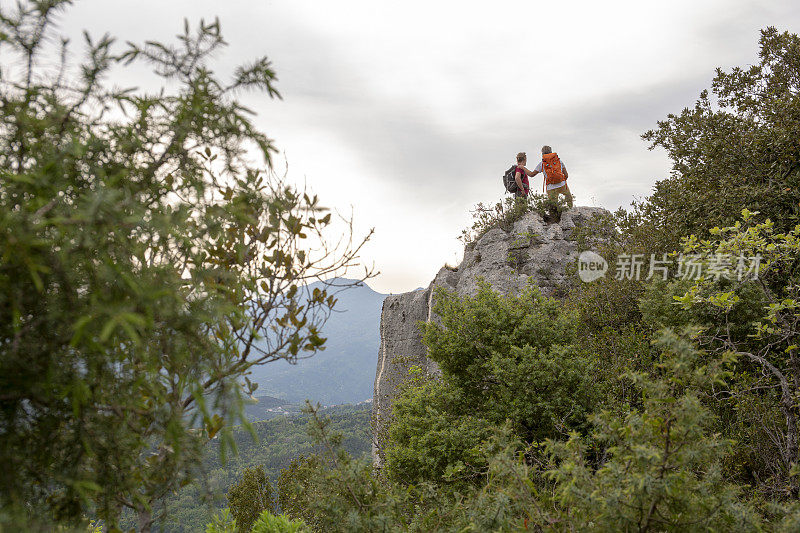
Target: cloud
{"points": [[411, 111]]}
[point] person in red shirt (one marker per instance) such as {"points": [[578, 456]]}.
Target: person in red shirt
{"points": [[521, 176]]}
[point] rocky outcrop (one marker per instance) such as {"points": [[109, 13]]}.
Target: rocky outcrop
{"points": [[533, 249]]}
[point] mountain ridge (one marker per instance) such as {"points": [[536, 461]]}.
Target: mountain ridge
{"points": [[344, 371]]}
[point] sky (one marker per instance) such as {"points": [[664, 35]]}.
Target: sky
{"points": [[406, 114]]}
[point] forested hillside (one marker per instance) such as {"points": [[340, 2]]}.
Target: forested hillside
{"points": [[277, 442]]}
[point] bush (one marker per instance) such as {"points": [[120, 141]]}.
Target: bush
{"points": [[269, 523], [149, 257], [549, 209], [662, 470], [435, 436], [222, 522], [502, 215], [502, 358], [511, 357]]}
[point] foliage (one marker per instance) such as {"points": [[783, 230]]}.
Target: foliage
{"points": [[600, 232], [249, 497], [332, 491], [435, 436], [269, 523], [296, 487], [614, 353], [142, 254], [222, 522], [758, 318], [658, 470], [510, 357], [502, 358], [606, 302], [662, 471], [737, 147], [345, 496], [654, 464], [502, 215], [279, 443], [549, 209]]}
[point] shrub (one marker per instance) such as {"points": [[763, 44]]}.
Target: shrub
{"points": [[502, 358], [662, 470], [222, 522], [269, 523], [502, 215]]}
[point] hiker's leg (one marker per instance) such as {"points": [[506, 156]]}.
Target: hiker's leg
{"points": [[553, 194], [568, 195]]}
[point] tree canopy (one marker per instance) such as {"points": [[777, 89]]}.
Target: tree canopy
{"points": [[736, 148]]}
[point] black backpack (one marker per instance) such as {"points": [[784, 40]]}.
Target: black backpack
{"points": [[508, 180]]}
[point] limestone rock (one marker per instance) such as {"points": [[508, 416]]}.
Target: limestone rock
{"points": [[533, 249]]}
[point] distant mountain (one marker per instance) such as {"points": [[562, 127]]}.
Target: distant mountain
{"points": [[345, 371], [265, 408]]}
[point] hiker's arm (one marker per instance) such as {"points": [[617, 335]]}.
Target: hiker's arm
{"points": [[529, 172]]}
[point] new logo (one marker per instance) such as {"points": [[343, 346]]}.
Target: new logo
{"points": [[591, 266]]}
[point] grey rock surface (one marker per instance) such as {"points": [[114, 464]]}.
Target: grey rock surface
{"points": [[532, 249]]}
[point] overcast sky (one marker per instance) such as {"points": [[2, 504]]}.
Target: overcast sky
{"points": [[409, 112]]}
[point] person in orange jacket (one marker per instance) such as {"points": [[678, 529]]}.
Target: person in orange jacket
{"points": [[555, 175]]}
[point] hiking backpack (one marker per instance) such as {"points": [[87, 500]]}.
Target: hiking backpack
{"points": [[508, 180], [551, 166]]}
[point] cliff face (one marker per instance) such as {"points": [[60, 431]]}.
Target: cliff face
{"points": [[533, 249]]}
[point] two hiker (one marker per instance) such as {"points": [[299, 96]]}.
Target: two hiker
{"points": [[552, 168]]}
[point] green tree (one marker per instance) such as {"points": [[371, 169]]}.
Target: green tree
{"points": [[511, 357], [332, 491], [757, 318], [662, 469], [222, 522], [148, 258], [249, 497], [296, 487], [435, 436], [502, 358], [735, 148]]}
